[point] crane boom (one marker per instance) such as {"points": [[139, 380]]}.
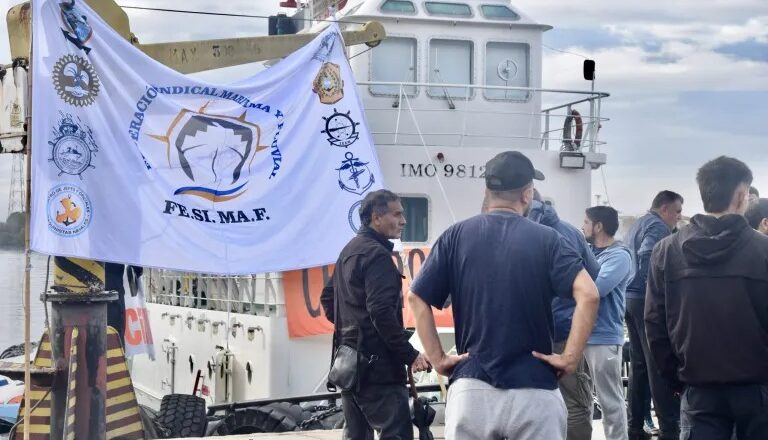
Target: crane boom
{"points": [[191, 56]]}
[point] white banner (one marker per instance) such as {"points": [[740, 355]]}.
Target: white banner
{"points": [[138, 164], [138, 333]]}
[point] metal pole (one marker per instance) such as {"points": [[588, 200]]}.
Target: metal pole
{"points": [[27, 269], [28, 251]]}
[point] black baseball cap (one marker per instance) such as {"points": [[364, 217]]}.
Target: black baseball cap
{"points": [[510, 170]]}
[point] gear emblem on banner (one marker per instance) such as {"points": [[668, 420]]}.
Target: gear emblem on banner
{"points": [[75, 80]]}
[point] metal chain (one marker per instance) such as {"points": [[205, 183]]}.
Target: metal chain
{"points": [[323, 415]]}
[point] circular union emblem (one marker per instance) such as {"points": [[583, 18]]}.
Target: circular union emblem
{"points": [[69, 210], [75, 80], [354, 216], [71, 155]]}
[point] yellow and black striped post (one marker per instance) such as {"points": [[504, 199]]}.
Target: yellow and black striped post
{"points": [[79, 349], [123, 417], [76, 275]]}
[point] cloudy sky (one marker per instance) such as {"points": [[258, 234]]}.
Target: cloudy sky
{"points": [[688, 80]]}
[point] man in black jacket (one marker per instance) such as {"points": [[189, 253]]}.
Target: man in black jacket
{"points": [[369, 317], [757, 215], [706, 311]]}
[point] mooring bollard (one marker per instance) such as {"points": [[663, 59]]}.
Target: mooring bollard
{"points": [[79, 349]]}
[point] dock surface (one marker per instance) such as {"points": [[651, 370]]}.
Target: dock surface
{"points": [[335, 434]]}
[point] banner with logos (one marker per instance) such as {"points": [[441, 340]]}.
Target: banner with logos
{"points": [[138, 164]]}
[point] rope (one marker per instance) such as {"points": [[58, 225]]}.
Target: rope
{"points": [[429, 158], [45, 287], [565, 51], [224, 14], [605, 185]]}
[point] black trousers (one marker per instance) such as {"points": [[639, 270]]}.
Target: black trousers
{"points": [[643, 375], [712, 412], [383, 408]]}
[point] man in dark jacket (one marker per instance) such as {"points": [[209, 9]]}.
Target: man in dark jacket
{"points": [[757, 215], [641, 239], [369, 317], [706, 313], [575, 388]]}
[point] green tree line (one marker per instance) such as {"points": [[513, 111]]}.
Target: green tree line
{"points": [[12, 231]]}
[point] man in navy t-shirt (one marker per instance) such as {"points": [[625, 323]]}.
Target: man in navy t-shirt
{"points": [[502, 272]]}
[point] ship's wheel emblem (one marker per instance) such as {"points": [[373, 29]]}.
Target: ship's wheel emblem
{"points": [[354, 175], [73, 147], [341, 129]]}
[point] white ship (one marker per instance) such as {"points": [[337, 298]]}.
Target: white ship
{"points": [[454, 83]]}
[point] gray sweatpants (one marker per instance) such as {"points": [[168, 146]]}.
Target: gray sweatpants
{"points": [[604, 363], [478, 411]]}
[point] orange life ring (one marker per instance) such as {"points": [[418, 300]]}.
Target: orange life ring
{"points": [[572, 143]]}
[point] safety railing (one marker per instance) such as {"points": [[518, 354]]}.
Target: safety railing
{"points": [[582, 111], [260, 294]]}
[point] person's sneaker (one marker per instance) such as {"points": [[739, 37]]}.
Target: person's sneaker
{"points": [[650, 428]]}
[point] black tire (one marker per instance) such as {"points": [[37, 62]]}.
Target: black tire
{"points": [[15, 350], [275, 417], [152, 429], [182, 415]]}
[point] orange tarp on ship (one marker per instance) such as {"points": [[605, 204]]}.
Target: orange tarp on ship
{"points": [[303, 288]]}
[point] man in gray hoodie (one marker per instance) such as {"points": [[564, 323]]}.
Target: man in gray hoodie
{"points": [[604, 347]]}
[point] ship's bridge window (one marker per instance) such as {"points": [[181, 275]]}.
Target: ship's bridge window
{"points": [[499, 12], [444, 8], [394, 60], [416, 211], [506, 64], [398, 6], [450, 63]]}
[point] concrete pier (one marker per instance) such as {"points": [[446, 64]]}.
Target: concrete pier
{"points": [[335, 434]]}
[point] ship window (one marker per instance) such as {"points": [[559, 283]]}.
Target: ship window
{"points": [[506, 64], [499, 12], [450, 63], [398, 6], [416, 214], [394, 60], [443, 8]]}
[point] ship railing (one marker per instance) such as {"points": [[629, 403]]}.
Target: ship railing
{"points": [[406, 97], [258, 294]]}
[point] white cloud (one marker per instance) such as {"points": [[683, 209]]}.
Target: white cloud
{"points": [[625, 69], [566, 13], [650, 124]]}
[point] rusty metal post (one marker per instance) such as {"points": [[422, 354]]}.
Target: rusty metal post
{"points": [[79, 302]]}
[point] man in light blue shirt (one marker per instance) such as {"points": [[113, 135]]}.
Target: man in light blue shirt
{"points": [[603, 352]]}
